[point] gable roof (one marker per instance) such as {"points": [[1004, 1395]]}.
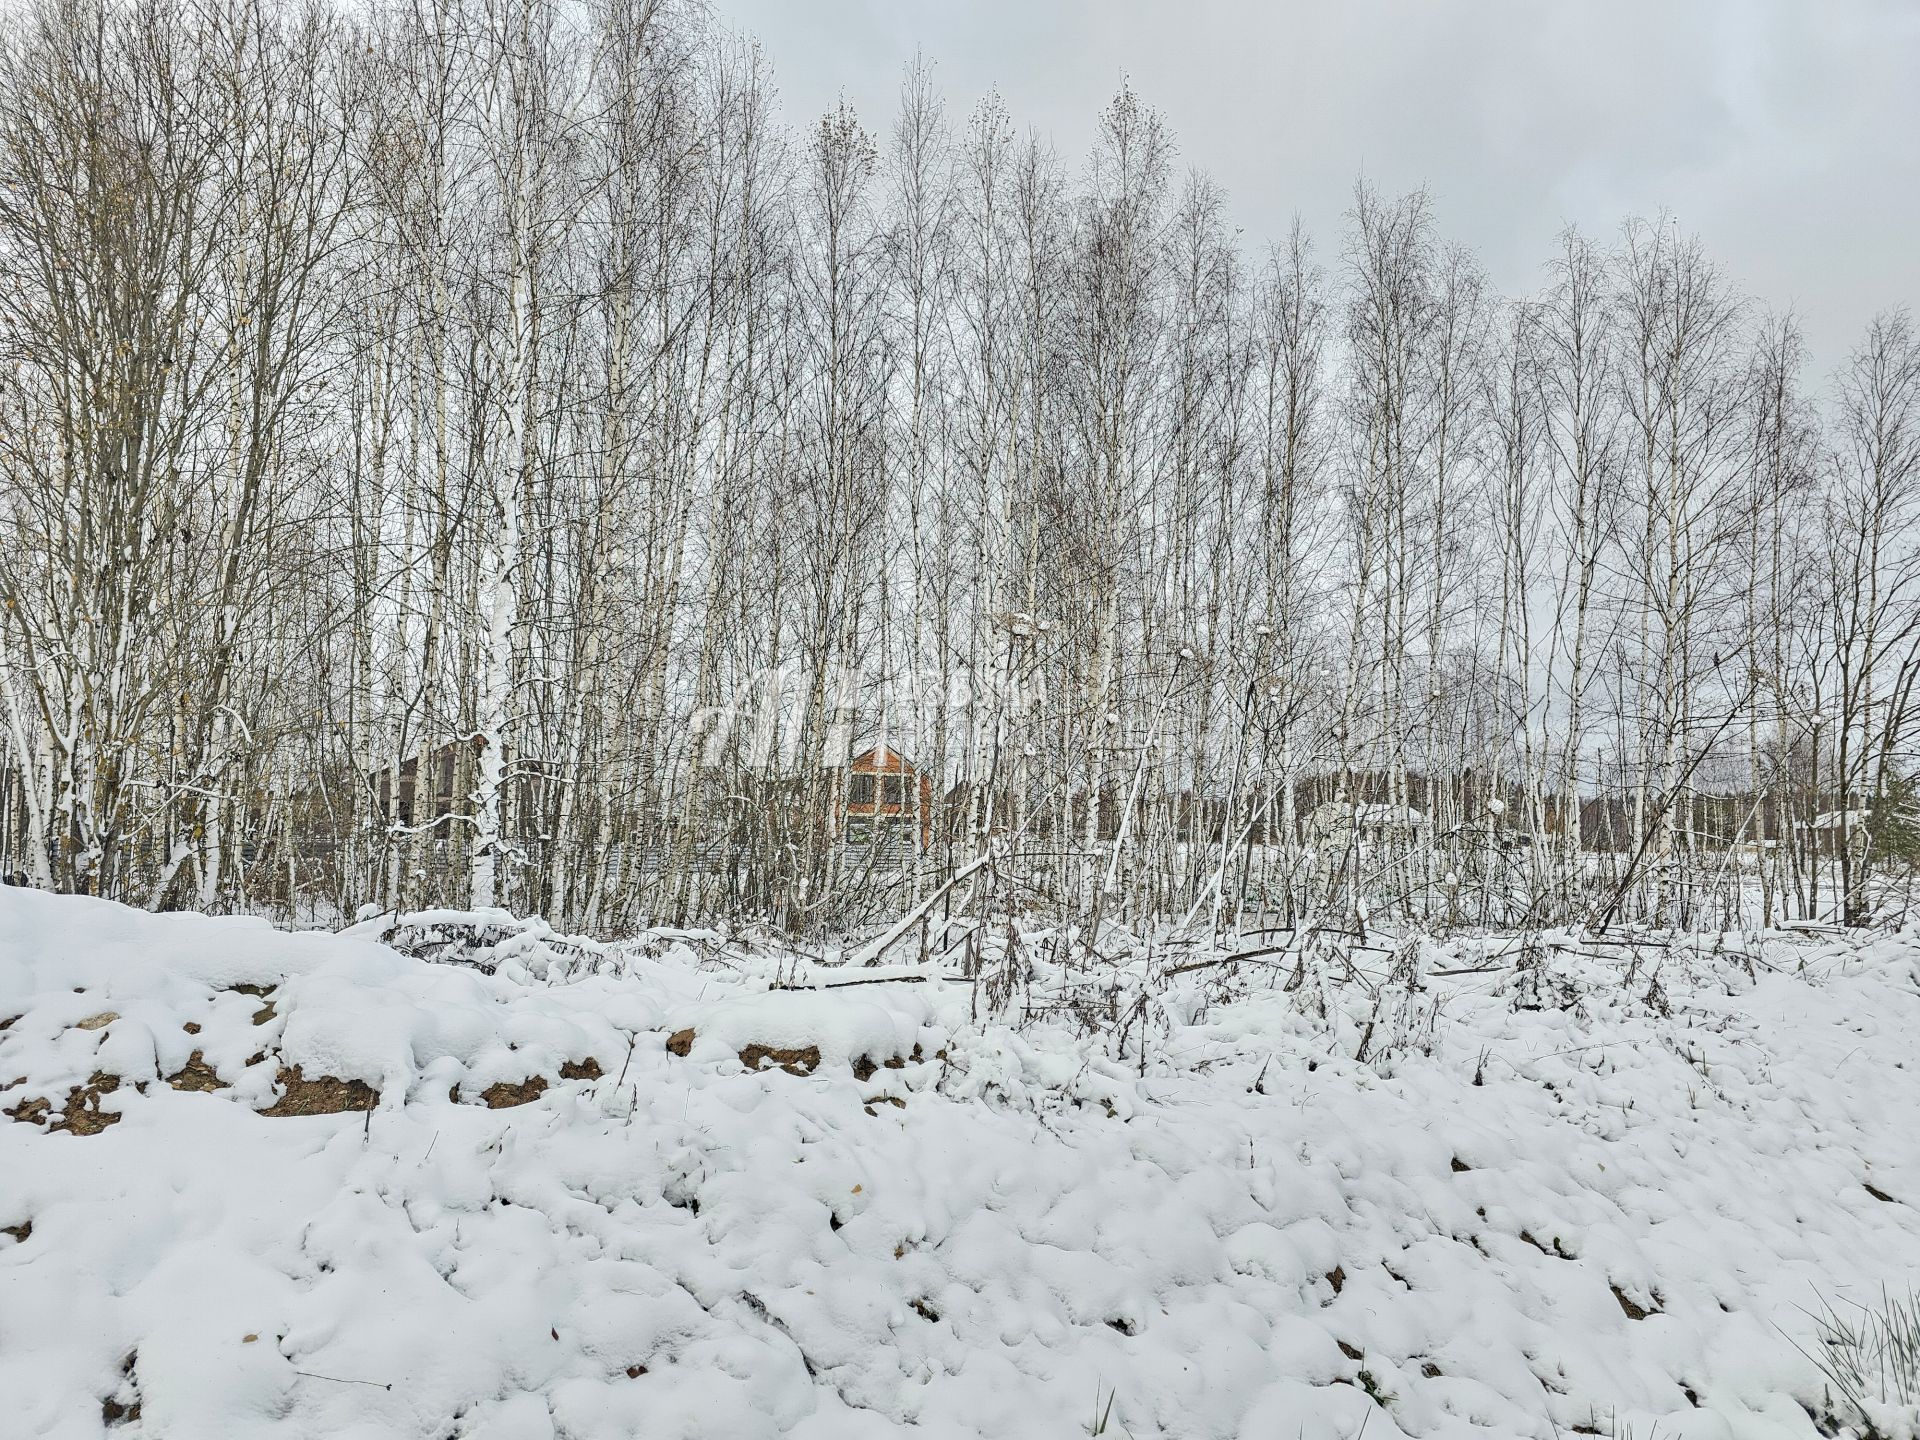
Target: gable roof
{"points": [[882, 761]]}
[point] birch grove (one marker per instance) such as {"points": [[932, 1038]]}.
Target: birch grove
{"points": [[479, 453]]}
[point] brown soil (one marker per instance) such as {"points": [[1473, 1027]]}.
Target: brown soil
{"points": [[197, 1076], [587, 1069], [83, 1115], [863, 1066], [1632, 1310], [502, 1096], [322, 1096], [262, 993], [33, 1111], [794, 1062], [112, 1412]]}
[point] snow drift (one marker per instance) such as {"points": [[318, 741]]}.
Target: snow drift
{"points": [[259, 1184]]}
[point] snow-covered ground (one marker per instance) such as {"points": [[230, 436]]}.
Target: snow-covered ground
{"points": [[1593, 1216]]}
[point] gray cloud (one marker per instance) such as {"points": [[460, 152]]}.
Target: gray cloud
{"points": [[1785, 132]]}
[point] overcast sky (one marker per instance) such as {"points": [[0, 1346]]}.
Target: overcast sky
{"points": [[1785, 132]]}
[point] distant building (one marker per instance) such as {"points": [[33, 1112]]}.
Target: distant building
{"points": [[886, 791], [416, 800], [1339, 821], [1829, 832]]}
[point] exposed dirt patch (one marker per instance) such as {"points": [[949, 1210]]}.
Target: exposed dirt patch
{"points": [[263, 993], [680, 1043], [324, 1095], [97, 1022], [634, 1372], [864, 1066], [192, 1027], [794, 1062], [20, 1232], [31, 1111], [197, 1076], [1632, 1309], [83, 1115], [6, 1021], [1460, 1167], [587, 1069], [1556, 1250], [1352, 1352], [1337, 1278], [112, 1412], [502, 1096], [1882, 1196]]}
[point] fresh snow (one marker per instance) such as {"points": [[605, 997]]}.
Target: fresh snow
{"points": [[1249, 1234]]}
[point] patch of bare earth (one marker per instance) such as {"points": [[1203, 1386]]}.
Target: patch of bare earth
{"points": [[262, 993], [502, 1096], [197, 1076], [323, 1095], [1632, 1308], [31, 1111], [82, 1115], [864, 1068], [123, 1406], [794, 1062]]}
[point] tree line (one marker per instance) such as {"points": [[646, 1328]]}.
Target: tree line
{"points": [[476, 452]]}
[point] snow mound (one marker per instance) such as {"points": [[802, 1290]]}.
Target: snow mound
{"points": [[843, 1027], [521, 1211], [494, 941]]}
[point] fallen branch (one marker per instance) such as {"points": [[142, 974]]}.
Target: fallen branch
{"points": [[872, 953], [875, 980], [345, 1380], [1229, 959]]}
